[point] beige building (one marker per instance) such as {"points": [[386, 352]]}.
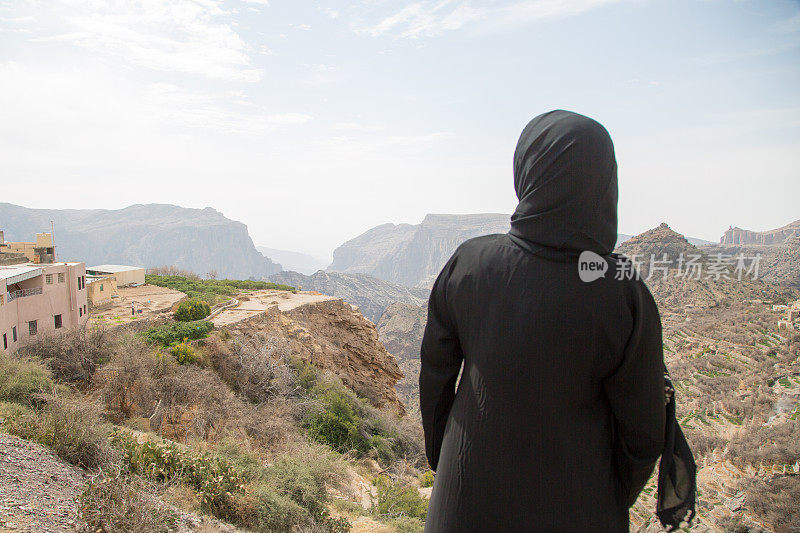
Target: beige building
{"points": [[100, 289], [124, 275], [40, 251], [37, 299]]}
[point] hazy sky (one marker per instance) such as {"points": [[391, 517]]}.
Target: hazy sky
{"points": [[314, 121]]}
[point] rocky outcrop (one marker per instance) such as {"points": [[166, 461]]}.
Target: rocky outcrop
{"points": [[413, 255], [335, 337], [200, 240], [736, 235], [371, 295]]}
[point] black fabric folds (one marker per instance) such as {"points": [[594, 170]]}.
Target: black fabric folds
{"points": [[677, 473], [558, 418]]}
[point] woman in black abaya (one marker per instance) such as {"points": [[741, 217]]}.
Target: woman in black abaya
{"points": [[559, 415]]}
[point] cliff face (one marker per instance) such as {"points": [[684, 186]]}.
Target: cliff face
{"points": [[736, 235], [335, 337], [200, 240], [400, 328], [370, 294], [413, 255]]}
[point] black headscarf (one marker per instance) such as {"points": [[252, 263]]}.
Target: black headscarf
{"points": [[565, 175]]}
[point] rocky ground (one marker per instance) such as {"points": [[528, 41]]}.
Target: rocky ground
{"points": [[38, 490]]}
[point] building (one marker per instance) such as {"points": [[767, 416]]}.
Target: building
{"points": [[40, 251], [37, 299], [100, 289], [122, 274]]}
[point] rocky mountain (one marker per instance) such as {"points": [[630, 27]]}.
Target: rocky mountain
{"points": [[200, 240], [412, 255], [680, 274], [736, 235], [779, 250], [371, 295], [295, 261]]}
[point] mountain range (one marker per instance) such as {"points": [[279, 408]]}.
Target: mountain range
{"points": [[199, 240]]}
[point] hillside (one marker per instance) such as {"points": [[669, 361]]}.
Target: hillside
{"points": [[371, 295], [736, 235], [283, 420], [199, 240]]}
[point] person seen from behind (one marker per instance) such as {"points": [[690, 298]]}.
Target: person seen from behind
{"points": [[559, 415]]}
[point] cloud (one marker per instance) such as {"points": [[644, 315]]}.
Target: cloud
{"points": [[193, 37], [433, 18]]}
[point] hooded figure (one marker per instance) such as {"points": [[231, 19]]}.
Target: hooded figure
{"points": [[559, 416]]}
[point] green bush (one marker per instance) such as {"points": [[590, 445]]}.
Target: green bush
{"points": [[212, 477], [212, 291], [398, 501], [426, 479], [23, 379], [175, 332], [183, 352], [336, 424], [191, 310]]}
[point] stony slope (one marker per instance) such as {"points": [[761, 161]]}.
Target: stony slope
{"points": [[335, 337], [200, 240], [371, 295]]}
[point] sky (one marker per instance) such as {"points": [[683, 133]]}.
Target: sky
{"points": [[312, 122]]}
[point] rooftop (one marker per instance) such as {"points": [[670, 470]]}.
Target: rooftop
{"points": [[17, 273], [114, 268]]}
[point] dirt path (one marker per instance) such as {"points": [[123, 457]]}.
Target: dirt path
{"points": [[257, 302], [38, 490]]}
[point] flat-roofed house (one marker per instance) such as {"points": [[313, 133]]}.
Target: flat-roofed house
{"points": [[36, 299], [100, 289], [123, 274], [39, 251]]}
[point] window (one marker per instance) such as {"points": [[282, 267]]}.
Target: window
{"points": [[84, 309], [5, 341], [2, 299], [57, 320], [79, 283], [48, 278], [61, 277], [14, 333], [80, 311], [32, 327], [101, 287]]}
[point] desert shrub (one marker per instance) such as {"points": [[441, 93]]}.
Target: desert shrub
{"points": [[775, 501], [407, 524], [336, 423], [128, 381], [396, 500], [183, 352], [73, 356], [212, 291], [175, 332], [191, 310], [71, 427], [124, 503], [23, 379], [426, 479], [171, 270], [212, 477]]}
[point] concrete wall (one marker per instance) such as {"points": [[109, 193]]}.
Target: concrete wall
{"points": [[100, 291], [63, 298]]}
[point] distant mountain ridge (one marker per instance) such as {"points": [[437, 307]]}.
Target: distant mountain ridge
{"points": [[736, 235], [295, 261], [200, 240], [413, 254]]}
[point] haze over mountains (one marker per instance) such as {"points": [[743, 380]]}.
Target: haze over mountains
{"points": [[200, 240]]}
